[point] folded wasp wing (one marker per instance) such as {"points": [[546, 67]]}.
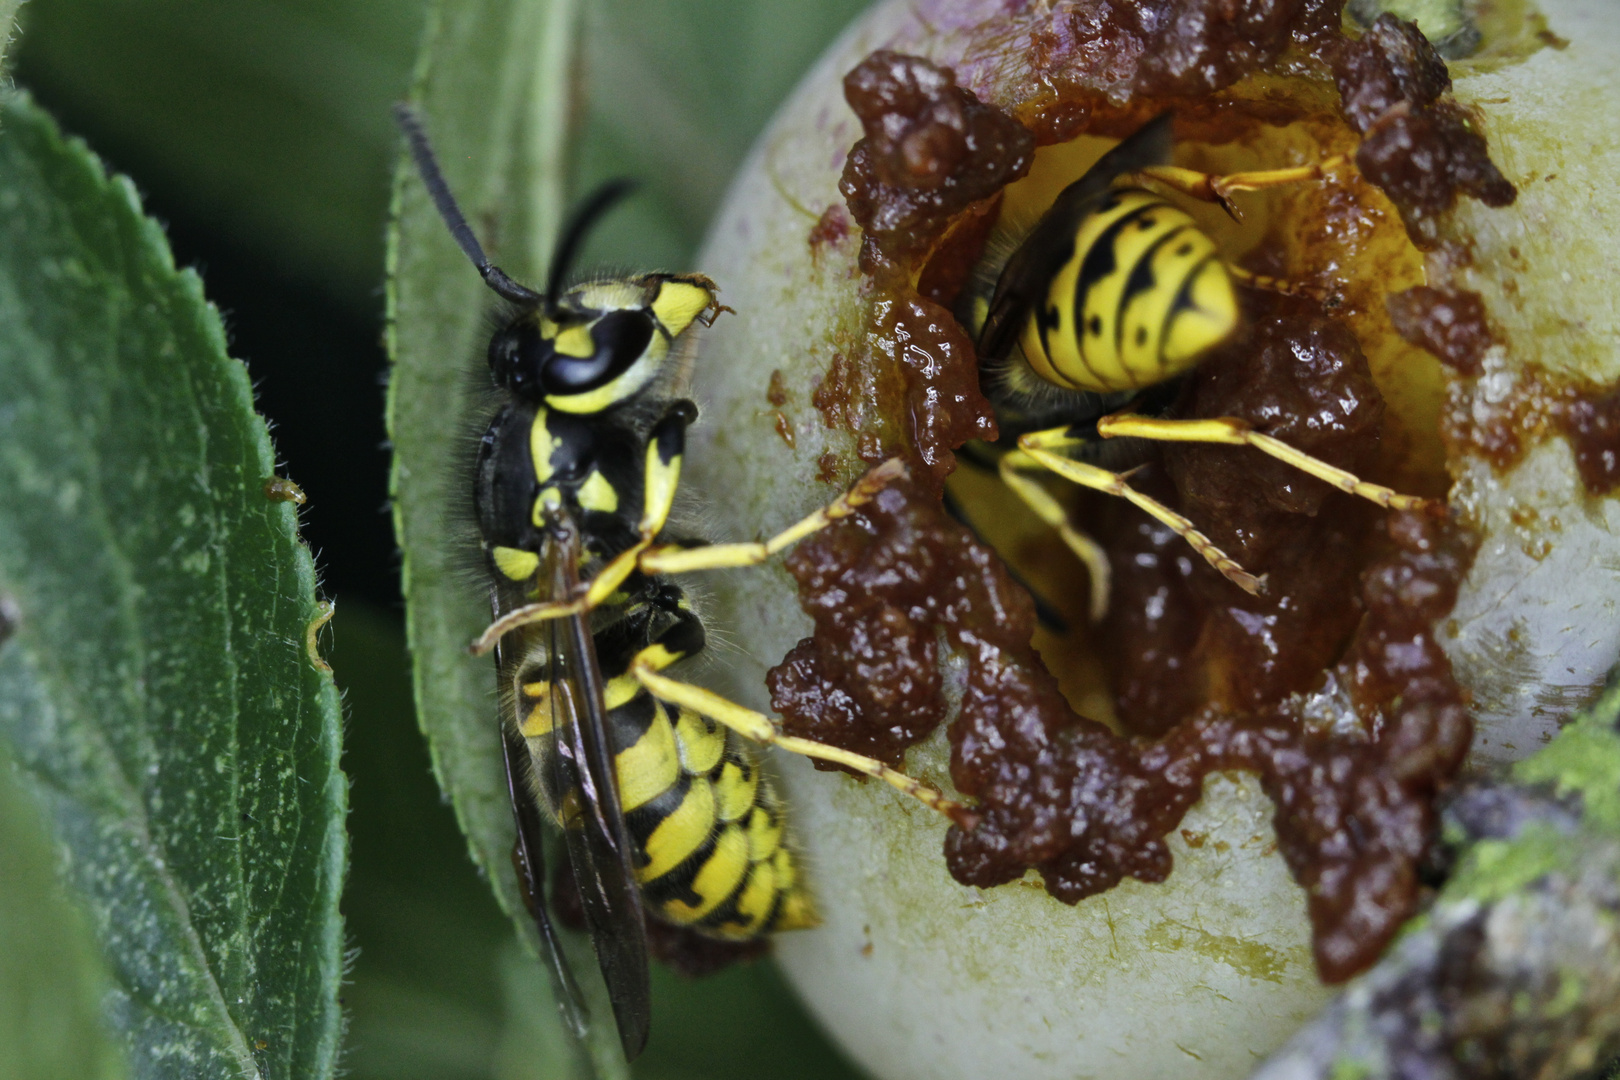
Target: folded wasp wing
{"points": [[600, 850], [531, 866]]}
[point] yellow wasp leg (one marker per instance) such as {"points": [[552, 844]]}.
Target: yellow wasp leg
{"points": [[1234, 432], [1041, 447], [1038, 499], [1274, 284], [678, 560], [524, 616], [1210, 187], [604, 585], [758, 727], [674, 560]]}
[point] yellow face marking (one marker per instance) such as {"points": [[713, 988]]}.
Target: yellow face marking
{"points": [[597, 494], [681, 833], [722, 872], [606, 296], [535, 710], [541, 447], [515, 563], [701, 744], [575, 341], [678, 303], [650, 767], [734, 791], [764, 835], [636, 376]]}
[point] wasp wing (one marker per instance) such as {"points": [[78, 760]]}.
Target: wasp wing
{"points": [[529, 856], [600, 850], [1028, 274]]}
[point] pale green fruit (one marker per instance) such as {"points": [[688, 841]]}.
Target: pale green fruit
{"points": [[1203, 975]]}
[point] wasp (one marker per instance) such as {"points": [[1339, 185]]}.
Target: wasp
{"points": [[1111, 298], [663, 808]]}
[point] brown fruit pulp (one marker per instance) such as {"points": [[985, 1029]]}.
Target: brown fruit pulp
{"points": [[1204, 677]]}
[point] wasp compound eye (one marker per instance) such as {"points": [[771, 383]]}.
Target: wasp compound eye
{"points": [[589, 356], [517, 355]]}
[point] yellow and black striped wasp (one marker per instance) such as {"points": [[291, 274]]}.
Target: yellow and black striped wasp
{"points": [[663, 808], [1082, 336]]}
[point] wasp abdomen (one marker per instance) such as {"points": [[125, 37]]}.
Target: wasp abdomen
{"points": [[1142, 297], [707, 824]]}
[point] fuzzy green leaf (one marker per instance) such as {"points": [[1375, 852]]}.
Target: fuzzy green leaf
{"points": [[8, 19], [157, 694]]}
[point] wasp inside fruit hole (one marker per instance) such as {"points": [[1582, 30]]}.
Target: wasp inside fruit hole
{"points": [[1086, 330], [663, 807]]}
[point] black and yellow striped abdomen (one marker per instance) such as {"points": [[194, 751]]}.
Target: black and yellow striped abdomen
{"points": [[1141, 298], [706, 822]]}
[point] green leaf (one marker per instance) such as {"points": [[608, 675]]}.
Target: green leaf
{"points": [[8, 21], [158, 694], [51, 975]]}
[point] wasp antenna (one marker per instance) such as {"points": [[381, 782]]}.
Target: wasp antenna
{"points": [[410, 122], [595, 205]]}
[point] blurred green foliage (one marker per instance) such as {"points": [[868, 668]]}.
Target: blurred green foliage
{"points": [[259, 130], [51, 974], [268, 119]]}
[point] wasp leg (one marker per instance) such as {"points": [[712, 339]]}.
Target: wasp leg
{"points": [[679, 560], [1048, 615], [1038, 499], [1211, 187], [663, 471], [524, 616], [1277, 284], [1042, 448], [1234, 432], [758, 727]]}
